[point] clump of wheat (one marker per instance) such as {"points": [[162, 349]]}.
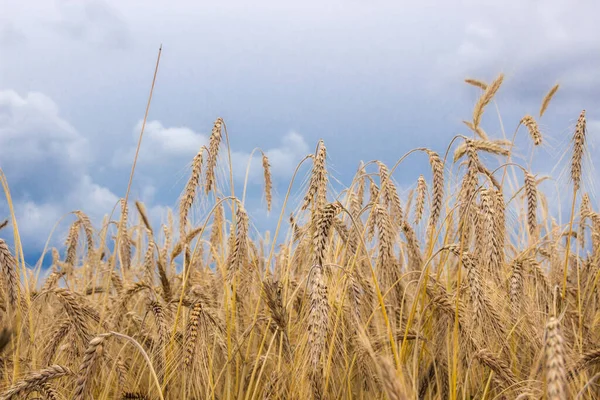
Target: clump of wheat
{"points": [[480, 294]]}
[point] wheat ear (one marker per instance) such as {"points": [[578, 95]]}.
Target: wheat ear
{"points": [[33, 380], [555, 362], [547, 99]]}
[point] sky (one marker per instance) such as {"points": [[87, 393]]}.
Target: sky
{"points": [[373, 79]]}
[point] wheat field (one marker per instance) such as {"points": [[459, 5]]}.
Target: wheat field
{"points": [[466, 287]]}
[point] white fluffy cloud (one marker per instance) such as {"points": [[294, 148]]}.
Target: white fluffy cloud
{"points": [[161, 144], [47, 163], [31, 131], [284, 158], [36, 217]]}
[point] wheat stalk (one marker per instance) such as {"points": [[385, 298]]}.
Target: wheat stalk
{"points": [[493, 147], [420, 204], [485, 98], [477, 83], [34, 380], [9, 272], [317, 187], [532, 127], [555, 362], [190, 193], [547, 98], [268, 182], [531, 193], [213, 154], [578, 150], [92, 352]]}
